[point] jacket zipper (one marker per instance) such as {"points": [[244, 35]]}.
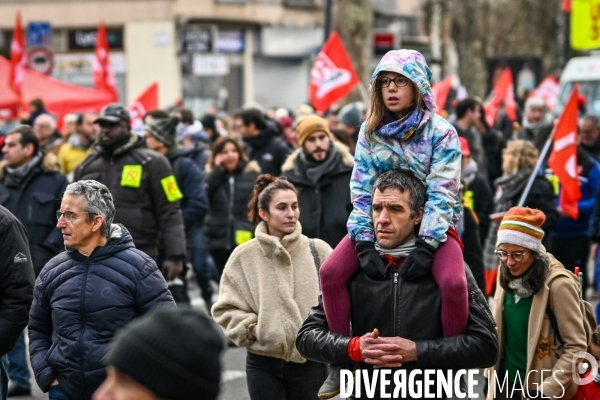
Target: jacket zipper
{"points": [[82, 331], [395, 292]]}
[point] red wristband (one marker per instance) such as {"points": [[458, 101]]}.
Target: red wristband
{"points": [[354, 349]]}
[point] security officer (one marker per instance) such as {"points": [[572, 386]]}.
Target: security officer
{"points": [[145, 192]]}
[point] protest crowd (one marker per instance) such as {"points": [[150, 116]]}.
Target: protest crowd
{"points": [[398, 232]]}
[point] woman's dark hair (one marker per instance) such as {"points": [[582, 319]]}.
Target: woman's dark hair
{"points": [[38, 104], [343, 137], [265, 186], [533, 278], [596, 336], [219, 145]]}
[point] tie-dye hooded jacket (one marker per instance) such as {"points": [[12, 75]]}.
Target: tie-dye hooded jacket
{"points": [[431, 151]]}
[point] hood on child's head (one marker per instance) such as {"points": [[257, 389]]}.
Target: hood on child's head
{"points": [[411, 64]]}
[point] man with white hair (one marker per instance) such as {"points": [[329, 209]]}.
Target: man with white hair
{"points": [[44, 127], [537, 122], [88, 292]]}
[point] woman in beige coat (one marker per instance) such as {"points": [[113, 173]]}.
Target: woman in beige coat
{"points": [[267, 289], [529, 280]]}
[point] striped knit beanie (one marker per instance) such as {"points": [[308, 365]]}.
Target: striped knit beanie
{"points": [[522, 226]]}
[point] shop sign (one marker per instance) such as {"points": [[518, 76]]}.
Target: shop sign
{"points": [[197, 39], [230, 41], [210, 65], [85, 39]]}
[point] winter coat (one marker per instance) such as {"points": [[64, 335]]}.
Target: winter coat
{"points": [[480, 198], [493, 144], [194, 204], [72, 153], [411, 310], [54, 143], [272, 284], [589, 183], [16, 280], [537, 135], [473, 251], [508, 192], [267, 149], [593, 150], [34, 201], [544, 352], [81, 302], [227, 215], [146, 205], [326, 205], [432, 152]]}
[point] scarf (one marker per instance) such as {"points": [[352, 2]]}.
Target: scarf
{"points": [[16, 175], [315, 170], [535, 127], [469, 172], [402, 128], [516, 285], [401, 251]]}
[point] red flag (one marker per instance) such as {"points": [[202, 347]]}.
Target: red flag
{"points": [[563, 159], [566, 5], [145, 102], [548, 89], [18, 58], [440, 94], [103, 76], [332, 76], [502, 92]]}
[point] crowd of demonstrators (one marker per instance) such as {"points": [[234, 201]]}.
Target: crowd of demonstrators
{"points": [[145, 192], [50, 139], [84, 295], [493, 143], [30, 188], [230, 179], [478, 195], [320, 170], [161, 136], [589, 132], [533, 284], [266, 321], [468, 113]]}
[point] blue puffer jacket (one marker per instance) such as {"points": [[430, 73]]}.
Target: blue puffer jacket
{"points": [[80, 302]]}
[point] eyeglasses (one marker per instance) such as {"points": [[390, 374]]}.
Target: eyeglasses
{"points": [[69, 215], [399, 81], [517, 256]]}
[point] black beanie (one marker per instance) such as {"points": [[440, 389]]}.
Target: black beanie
{"points": [[163, 129], [173, 353]]}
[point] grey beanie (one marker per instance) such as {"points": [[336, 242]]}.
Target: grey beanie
{"points": [[163, 129], [350, 115], [173, 353]]}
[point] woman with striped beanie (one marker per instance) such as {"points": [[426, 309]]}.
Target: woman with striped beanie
{"points": [[531, 281]]}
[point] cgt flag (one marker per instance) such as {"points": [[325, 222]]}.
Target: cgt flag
{"points": [[502, 92], [563, 159], [145, 102], [103, 76], [18, 59], [332, 76]]}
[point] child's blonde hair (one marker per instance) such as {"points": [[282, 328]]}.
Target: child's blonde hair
{"points": [[519, 154]]}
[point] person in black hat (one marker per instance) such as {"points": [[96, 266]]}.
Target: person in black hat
{"points": [[161, 137], [164, 355], [145, 191]]}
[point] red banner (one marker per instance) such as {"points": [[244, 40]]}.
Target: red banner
{"points": [[563, 159], [103, 76], [332, 76], [145, 102], [18, 58], [503, 93]]}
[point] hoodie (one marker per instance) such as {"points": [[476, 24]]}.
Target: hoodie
{"points": [[430, 150]]}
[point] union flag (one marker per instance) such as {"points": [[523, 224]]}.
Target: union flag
{"points": [[102, 75], [332, 76], [146, 101]]}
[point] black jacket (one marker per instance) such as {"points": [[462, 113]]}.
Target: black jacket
{"points": [[34, 201], [225, 214], [473, 252], [483, 205], [142, 204], [325, 206], [268, 150], [410, 310], [493, 143], [81, 302], [16, 280]]}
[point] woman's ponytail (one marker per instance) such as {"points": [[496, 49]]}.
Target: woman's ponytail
{"points": [[262, 194]]}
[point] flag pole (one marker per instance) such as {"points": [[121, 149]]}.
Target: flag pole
{"points": [[537, 167]]}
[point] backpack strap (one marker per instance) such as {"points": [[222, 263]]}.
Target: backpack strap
{"points": [[554, 325], [315, 254]]}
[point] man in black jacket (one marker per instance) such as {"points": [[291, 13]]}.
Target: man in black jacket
{"points": [[31, 187], [263, 144], [16, 287], [144, 188], [397, 323], [321, 169]]}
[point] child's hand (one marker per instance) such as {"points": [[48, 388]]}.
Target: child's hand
{"points": [[419, 261]]}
